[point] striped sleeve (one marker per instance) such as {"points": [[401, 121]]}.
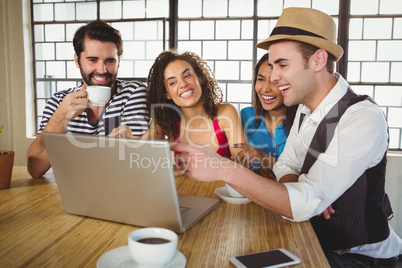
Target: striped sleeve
{"points": [[134, 114], [51, 106]]}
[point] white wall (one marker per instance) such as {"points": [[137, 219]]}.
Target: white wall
{"points": [[14, 88], [5, 98], [393, 187]]}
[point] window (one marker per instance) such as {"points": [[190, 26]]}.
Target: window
{"points": [[226, 42], [375, 58], [224, 33], [142, 24]]}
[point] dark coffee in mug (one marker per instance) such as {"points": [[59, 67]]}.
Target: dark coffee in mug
{"points": [[153, 240]]}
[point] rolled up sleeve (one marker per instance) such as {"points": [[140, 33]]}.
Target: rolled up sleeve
{"points": [[302, 200]]}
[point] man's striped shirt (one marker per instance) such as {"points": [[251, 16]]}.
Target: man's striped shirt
{"points": [[126, 107]]}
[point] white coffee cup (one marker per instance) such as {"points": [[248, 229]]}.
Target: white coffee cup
{"points": [[232, 192], [98, 95], [148, 250]]}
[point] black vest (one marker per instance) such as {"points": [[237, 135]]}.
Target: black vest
{"points": [[361, 213]]}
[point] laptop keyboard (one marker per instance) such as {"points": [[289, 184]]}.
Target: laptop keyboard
{"points": [[184, 210]]}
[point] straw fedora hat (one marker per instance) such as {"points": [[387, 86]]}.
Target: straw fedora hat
{"points": [[306, 25]]}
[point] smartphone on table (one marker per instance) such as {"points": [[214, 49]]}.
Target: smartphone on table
{"points": [[266, 259]]}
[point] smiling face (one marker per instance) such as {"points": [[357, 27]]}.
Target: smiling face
{"points": [[182, 84], [98, 63], [268, 92], [294, 77]]}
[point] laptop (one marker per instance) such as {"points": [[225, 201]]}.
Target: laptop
{"points": [[122, 180]]}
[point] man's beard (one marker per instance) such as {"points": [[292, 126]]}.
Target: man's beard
{"points": [[88, 77]]}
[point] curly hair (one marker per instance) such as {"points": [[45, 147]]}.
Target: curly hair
{"points": [[163, 111]]}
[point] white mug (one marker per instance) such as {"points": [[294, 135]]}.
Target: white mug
{"points": [[232, 192], [98, 95], [152, 247]]}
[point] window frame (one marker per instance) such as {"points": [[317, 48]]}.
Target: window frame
{"points": [[172, 21]]}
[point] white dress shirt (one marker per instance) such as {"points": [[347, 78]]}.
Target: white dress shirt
{"points": [[360, 141]]}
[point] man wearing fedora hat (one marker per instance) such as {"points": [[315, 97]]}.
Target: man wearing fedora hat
{"points": [[335, 155]]}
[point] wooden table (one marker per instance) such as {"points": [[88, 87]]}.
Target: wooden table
{"points": [[35, 231]]}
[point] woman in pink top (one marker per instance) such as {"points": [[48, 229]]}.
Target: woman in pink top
{"points": [[184, 102]]}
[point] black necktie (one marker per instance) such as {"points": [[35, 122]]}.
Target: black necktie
{"points": [[302, 115]]}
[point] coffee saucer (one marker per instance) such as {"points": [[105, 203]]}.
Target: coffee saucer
{"points": [[120, 258], [223, 194]]}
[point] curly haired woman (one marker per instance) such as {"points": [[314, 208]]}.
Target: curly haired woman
{"points": [[185, 104]]}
